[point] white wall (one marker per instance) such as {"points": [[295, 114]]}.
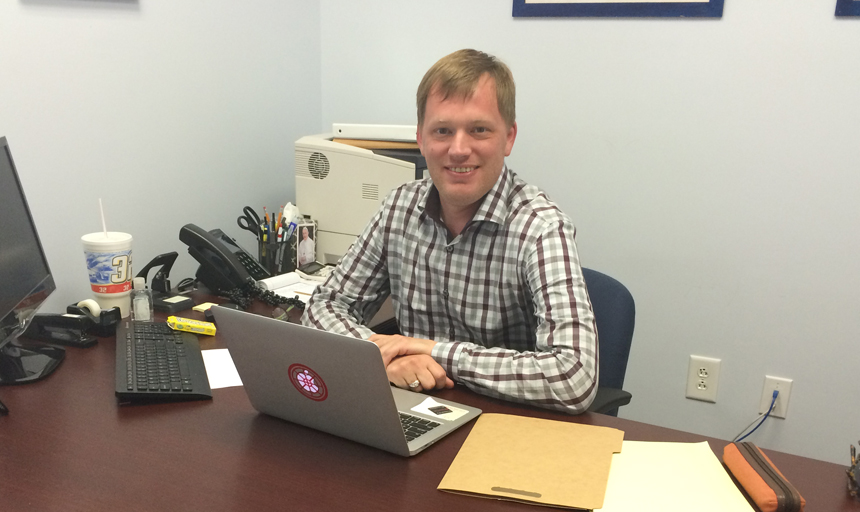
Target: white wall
{"points": [[710, 165], [172, 112]]}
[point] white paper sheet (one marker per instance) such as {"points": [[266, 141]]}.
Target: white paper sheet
{"points": [[290, 285], [220, 368], [670, 477]]}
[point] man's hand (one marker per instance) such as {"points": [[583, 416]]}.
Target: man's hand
{"points": [[407, 360], [396, 345], [405, 370]]}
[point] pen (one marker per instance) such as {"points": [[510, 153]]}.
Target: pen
{"points": [[264, 236]]}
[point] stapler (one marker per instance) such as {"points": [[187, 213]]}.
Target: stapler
{"points": [[61, 329], [78, 327], [75, 328], [162, 299]]}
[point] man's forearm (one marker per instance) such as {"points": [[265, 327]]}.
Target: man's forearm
{"points": [[560, 379], [332, 315]]}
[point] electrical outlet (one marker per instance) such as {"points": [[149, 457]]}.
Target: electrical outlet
{"points": [[703, 376], [780, 408]]}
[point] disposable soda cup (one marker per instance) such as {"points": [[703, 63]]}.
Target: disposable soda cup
{"points": [[109, 266]]}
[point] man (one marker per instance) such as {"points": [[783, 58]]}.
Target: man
{"points": [[307, 252], [482, 268]]}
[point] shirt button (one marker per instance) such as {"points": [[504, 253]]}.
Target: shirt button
{"points": [[445, 293], [450, 248], [451, 333]]}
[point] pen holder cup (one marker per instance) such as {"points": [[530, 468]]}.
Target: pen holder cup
{"points": [[268, 253]]}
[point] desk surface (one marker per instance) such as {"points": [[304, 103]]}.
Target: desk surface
{"points": [[67, 445]]}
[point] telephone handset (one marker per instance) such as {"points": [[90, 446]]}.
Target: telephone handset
{"points": [[224, 265]]}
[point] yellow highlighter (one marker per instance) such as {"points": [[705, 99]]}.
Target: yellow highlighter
{"points": [[188, 325]]}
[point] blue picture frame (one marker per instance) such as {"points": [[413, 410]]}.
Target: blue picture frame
{"points": [[847, 7], [614, 9]]}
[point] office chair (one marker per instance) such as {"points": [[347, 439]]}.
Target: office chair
{"points": [[615, 314]]}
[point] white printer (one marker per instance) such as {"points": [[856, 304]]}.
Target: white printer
{"points": [[341, 186]]}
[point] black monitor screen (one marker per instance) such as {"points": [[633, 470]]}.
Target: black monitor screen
{"points": [[25, 279], [22, 262]]}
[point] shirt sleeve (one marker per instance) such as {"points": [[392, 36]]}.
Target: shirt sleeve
{"points": [[561, 372], [356, 289]]}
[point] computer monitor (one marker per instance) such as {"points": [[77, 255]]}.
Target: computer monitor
{"points": [[25, 282]]}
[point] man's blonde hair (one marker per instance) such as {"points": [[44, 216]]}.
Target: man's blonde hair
{"points": [[458, 74]]}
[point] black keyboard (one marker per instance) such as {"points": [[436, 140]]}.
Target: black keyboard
{"points": [[156, 363], [413, 426]]}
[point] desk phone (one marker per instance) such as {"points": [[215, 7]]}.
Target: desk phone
{"points": [[223, 264]]}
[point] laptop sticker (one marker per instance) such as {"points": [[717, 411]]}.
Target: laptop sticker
{"points": [[434, 409], [308, 382], [439, 409]]}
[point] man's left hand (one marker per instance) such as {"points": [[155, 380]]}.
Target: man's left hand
{"points": [[396, 345]]}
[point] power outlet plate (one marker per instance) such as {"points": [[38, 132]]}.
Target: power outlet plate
{"points": [[703, 376], [780, 408]]}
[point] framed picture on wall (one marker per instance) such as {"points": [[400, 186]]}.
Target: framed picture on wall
{"points": [[618, 8], [848, 7]]}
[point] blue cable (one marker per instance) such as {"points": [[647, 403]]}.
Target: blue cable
{"points": [[772, 402]]}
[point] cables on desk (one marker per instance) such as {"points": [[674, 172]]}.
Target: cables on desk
{"points": [[762, 417], [245, 294]]}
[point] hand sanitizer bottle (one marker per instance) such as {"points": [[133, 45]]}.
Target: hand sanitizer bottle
{"points": [[141, 301]]}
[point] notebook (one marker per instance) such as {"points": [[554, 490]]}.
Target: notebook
{"points": [[332, 383]]}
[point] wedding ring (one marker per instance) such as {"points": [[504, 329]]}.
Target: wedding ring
{"points": [[414, 385]]}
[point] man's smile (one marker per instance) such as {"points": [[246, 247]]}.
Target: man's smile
{"points": [[461, 170]]}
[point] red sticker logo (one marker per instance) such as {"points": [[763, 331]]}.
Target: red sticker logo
{"points": [[308, 382]]}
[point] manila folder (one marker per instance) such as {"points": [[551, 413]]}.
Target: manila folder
{"points": [[536, 461]]}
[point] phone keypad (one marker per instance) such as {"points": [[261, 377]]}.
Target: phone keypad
{"points": [[252, 266]]}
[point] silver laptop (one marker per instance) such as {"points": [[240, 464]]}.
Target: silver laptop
{"points": [[333, 383]]}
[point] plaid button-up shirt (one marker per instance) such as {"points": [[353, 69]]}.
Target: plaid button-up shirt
{"points": [[505, 300]]}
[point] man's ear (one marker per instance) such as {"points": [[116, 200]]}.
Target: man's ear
{"points": [[419, 141], [510, 138]]}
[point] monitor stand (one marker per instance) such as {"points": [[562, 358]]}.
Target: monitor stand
{"points": [[23, 362]]}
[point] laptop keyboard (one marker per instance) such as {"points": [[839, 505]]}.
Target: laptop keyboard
{"points": [[413, 426]]}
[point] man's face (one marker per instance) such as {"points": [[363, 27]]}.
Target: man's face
{"points": [[304, 233], [465, 142]]}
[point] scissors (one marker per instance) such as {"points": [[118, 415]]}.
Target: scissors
{"points": [[250, 221]]}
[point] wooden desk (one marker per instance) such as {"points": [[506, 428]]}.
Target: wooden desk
{"points": [[66, 445]]}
